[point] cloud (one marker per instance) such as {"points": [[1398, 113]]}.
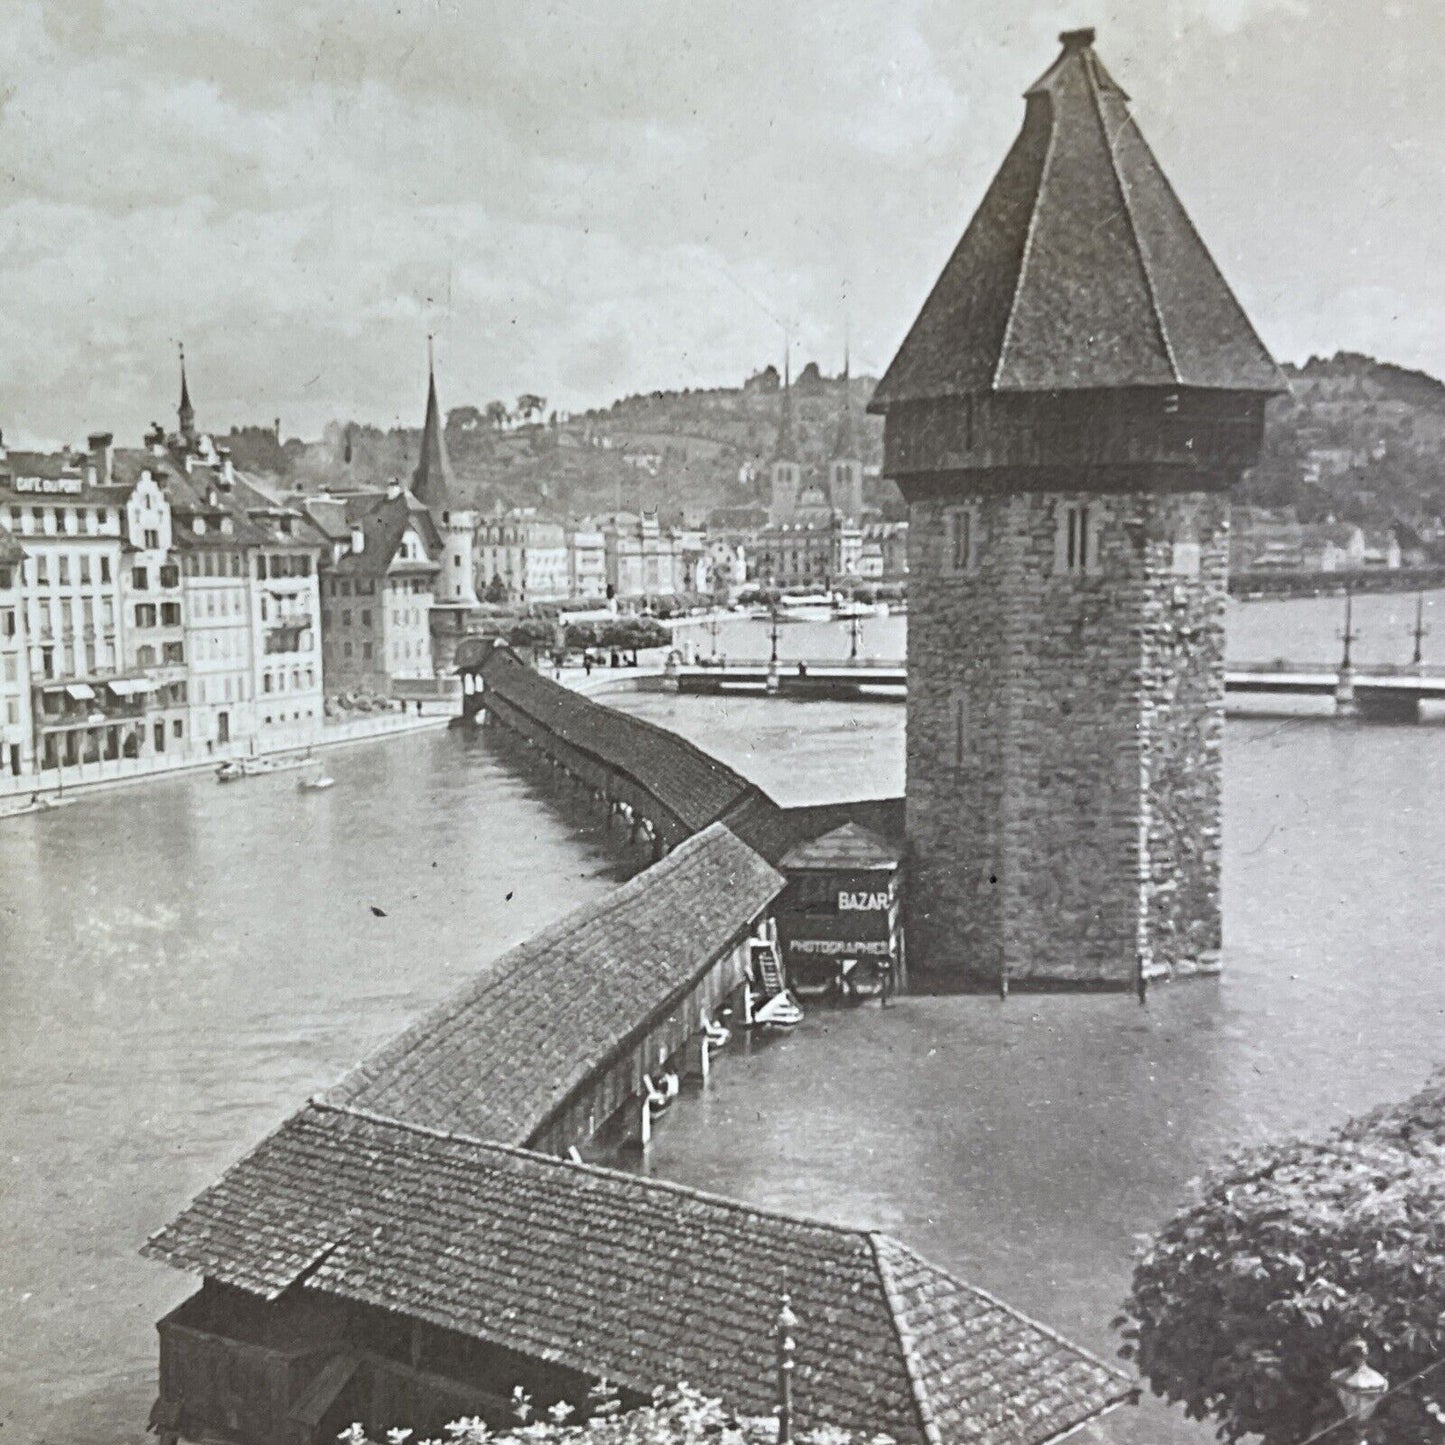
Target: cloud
{"points": [[590, 199]]}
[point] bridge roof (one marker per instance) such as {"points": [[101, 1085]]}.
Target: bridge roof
{"points": [[847, 846], [639, 1281], [694, 787], [1080, 269], [773, 830], [507, 1051]]}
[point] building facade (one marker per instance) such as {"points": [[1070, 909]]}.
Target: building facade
{"points": [[376, 601], [818, 555], [586, 563], [643, 559], [17, 749], [522, 557], [1068, 536]]}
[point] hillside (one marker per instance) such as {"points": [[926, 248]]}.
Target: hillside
{"points": [[1357, 439]]}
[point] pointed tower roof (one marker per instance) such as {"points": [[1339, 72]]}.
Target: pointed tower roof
{"points": [[432, 483], [185, 412], [1080, 268], [845, 442], [786, 449]]}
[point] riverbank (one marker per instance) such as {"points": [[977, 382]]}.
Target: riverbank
{"points": [[36, 792]]}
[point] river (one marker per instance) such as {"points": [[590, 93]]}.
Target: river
{"points": [[181, 964]]}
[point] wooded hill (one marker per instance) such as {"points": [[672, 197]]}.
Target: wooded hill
{"points": [[1357, 439]]}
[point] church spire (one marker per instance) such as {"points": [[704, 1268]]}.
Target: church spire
{"points": [[186, 413], [432, 483], [845, 442], [786, 449]]}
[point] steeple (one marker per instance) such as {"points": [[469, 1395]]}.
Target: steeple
{"points": [[186, 413], [432, 483], [786, 449], [845, 442]]}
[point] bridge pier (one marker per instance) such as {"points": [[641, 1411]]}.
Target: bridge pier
{"points": [[1345, 692]]}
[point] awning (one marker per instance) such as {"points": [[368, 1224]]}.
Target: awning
{"points": [[129, 686], [81, 691]]}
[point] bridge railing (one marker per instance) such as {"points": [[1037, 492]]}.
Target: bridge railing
{"points": [[790, 664], [1283, 667]]}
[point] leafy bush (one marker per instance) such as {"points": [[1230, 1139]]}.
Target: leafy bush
{"points": [[1242, 1307], [679, 1417]]}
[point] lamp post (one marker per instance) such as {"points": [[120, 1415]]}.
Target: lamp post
{"points": [[1360, 1389], [787, 1349]]}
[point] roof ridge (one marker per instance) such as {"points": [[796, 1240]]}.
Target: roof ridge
{"points": [[602, 1171], [901, 1327], [492, 976], [1092, 81], [1004, 1305], [1035, 206]]}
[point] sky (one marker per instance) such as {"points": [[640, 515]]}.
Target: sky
{"points": [[593, 198]]}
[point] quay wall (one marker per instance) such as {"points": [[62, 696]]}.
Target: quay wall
{"points": [[17, 791]]}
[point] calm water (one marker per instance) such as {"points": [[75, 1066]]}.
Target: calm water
{"points": [[181, 965]]}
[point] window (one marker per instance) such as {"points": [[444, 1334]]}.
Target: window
{"points": [[145, 614], [145, 656], [960, 539], [170, 575], [1076, 538], [140, 580], [170, 614], [346, 651], [102, 518], [42, 569], [153, 539], [63, 567], [178, 728], [7, 625], [267, 682], [105, 569], [366, 617], [366, 651], [346, 619]]}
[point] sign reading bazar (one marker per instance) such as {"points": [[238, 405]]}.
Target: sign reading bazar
{"points": [[862, 902]]}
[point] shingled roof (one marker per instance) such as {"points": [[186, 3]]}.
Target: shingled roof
{"points": [[773, 830], [644, 1282], [694, 787], [1080, 268], [847, 846], [382, 529], [503, 1054]]}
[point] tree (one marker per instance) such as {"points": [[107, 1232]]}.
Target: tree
{"points": [[680, 1417], [496, 590], [1243, 1306], [497, 414], [529, 406]]}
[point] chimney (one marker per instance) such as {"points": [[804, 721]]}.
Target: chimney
{"points": [[101, 445], [276, 427], [358, 539], [393, 490], [228, 472]]}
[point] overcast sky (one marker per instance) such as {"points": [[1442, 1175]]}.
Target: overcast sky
{"points": [[592, 198]]}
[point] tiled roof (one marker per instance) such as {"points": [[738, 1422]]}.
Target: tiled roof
{"points": [[643, 1282], [382, 529], [847, 846], [773, 830], [694, 787], [504, 1053], [1080, 268]]}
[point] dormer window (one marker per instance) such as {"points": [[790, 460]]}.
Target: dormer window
{"points": [[198, 526], [227, 526]]}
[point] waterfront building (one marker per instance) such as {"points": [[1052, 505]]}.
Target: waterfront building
{"points": [[586, 562], [839, 918], [377, 596], [643, 560], [16, 739], [1065, 420], [818, 555], [523, 555], [152, 603], [67, 523]]}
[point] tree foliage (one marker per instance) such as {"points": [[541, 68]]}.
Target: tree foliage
{"points": [[679, 1417], [1242, 1307]]}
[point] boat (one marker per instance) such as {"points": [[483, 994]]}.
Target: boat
{"points": [[779, 1012], [318, 784], [237, 768], [231, 772]]}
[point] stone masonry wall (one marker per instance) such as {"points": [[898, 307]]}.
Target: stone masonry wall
{"points": [[1064, 737]]}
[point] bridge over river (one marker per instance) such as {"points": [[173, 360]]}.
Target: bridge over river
{"points": [[1376, 693]]}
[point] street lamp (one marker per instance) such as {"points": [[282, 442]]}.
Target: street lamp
{"points": [[1360, 1389]]}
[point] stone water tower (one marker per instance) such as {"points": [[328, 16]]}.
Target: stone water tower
{"points": [[1065, 419]]}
